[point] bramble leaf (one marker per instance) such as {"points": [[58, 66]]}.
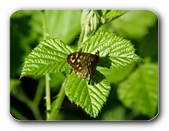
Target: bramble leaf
{"points": [[48, 57], [90, 97], [115, 52]]}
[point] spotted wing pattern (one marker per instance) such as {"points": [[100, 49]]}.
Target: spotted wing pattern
{"points": [[83, 64]]}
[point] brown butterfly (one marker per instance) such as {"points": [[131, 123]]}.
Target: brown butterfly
{"points": [[83, 64]]}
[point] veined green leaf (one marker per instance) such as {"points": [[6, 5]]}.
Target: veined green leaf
{"points": [[110, 15], [90, 97], [48, 57], [115, 52], [140, 90]]}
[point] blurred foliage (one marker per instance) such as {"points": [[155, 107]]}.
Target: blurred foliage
{"points": [[27, 94]]}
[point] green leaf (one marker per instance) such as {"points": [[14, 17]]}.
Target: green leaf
{"points": [[117, 75], [90, 97], [89, 23], [135, 24], [48, 57], [140, 90], [63, 24], [148, 45], [110, 15], [115, 52]]}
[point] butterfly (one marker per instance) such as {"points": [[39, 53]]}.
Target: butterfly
{"points": [[83, 64]]}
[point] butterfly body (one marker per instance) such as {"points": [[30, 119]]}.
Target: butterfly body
{"points": [[83, 64]]}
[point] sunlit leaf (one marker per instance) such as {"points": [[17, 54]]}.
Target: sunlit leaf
{"points": [[89, 97], [48, 57], [115, 52], [140, 90]]}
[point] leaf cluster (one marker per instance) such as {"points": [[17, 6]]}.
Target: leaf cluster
{"points": [[50, 57], [137, 86]]}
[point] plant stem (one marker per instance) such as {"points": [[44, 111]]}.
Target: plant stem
{"points": [[48, 103], [58, 103], [39, 92], [33, 107], [44, 24]]}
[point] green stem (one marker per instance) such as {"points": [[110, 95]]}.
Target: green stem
{"points": [[58, 103], [44, 24], [23, 98], [17, 114], [48, 103], [39, 92]]}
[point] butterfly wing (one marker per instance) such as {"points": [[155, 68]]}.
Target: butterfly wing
{"points": [[83, 64], [92, 63]]}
